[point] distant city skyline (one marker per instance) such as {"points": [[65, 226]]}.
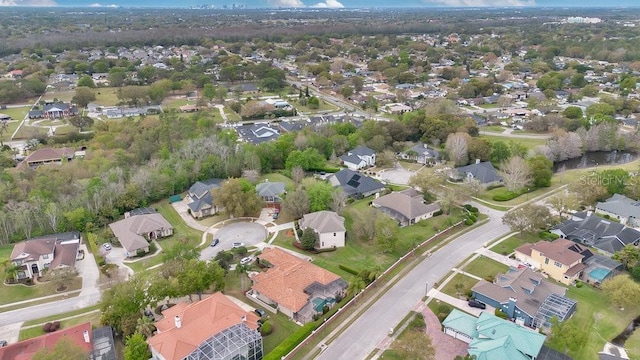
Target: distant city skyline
{"points": [[334, 4]]}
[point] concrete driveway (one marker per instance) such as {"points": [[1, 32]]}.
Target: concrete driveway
{"points": [[249, 233], [399, 175], [88, 270], [116, 256], [11, 332]]}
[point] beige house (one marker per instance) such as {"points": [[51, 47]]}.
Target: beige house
{"points": [[561, 259], [407, 207], [134, 232], [55, 251], [328, 225]]}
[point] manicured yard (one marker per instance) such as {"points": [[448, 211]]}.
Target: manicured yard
{"points": [[17, 113], [11, 128], [13, 293], [507, 246], [93, 317], [528, 143], [61, 316], [459, 286], [601, 320], [106, 96], [212, 220], [5, 251], [411, 166], [493, 128], [282, 329], [485, 268]]}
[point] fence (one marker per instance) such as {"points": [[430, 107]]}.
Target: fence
{"points": [[367, 290]]}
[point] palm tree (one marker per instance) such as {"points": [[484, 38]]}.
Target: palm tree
{"points": [[356, 285], [10, 269], [241, 271], [145, 326]]}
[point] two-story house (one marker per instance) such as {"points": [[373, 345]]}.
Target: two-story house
{"points": [[35, 255], [561, 259], [328, 225], [359, 158]]}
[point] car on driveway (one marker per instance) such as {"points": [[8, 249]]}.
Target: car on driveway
{"points": [[106, 246], [246, 260], [3, 343], [260, 312], [215, 242], [237, 245], [476, 304]]}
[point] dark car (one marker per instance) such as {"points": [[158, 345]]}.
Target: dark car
{"points": [[477, 304], [3, 343], [260, 312], [215, 242]]}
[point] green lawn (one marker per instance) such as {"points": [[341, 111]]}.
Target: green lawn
{"points": [[460, 285], [212, 220], [528, 143], [14, 293], [485, 268], [93, 317], [324, 106], [282, 329], [106, 96], [412, 166], [11, 128], [493, 128], [176, 103], [507, 246], [5, 251], [61, 316], [27, 132], [602, 320]]}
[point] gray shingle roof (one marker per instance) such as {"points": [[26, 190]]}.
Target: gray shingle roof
{"points": [[353, 183], [271, 189], [620, 205], [483, 172], [405, 205], [323, 222], [362, 151], [591, 229]]}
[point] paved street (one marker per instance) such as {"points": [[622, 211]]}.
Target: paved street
{"points": [[361, 337]]}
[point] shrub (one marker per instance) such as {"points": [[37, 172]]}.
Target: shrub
{"points": [[468, 222], [47, 327], [417, 323], [578, 284], [505, 196], [266, 328], [348, 269], [474, 209], [291, 342], [500, 314], [55, 326], [549, 236], [467, 206], [443, 311]]}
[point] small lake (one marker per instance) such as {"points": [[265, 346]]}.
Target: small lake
{"points": [[622, 338], [595, 158]]}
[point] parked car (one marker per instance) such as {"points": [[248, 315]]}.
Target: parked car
{"points": [[106, 246], [276, 215], [477, 304], [237, 245], [260, 312], [215, 242], [3, 343], [246, 260]]}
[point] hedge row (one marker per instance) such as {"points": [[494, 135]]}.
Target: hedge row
{"points": [[348, 269], [506, 195], [471, 208], [92, 239], [291, 342], [549, 236]]}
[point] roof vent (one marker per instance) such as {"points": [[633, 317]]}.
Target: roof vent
{"points": [[244, 318], [85, 334], [177, 321]]}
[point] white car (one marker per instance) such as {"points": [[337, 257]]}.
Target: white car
{"points": [[106, 246], [237, 245], [246, 260]]}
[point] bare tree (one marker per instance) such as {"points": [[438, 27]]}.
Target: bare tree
{"points": [[297, 174], [364, 223], [473, 186], [251, 175], [457, 147], [338, 200], [528, 218], [516, 173], [296, 203], [52, 213], [563, 202]]}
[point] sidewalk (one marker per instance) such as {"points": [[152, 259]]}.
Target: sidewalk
{"points": [[499, 258]]}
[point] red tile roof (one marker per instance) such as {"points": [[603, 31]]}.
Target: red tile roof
{"points": [[200, 320], [26, 349]]}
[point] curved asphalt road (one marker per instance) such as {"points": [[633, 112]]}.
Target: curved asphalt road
{"points": [[362, 336]]}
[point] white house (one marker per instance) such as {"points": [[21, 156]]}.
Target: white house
{"points": [[328, 225], [359, 158]]}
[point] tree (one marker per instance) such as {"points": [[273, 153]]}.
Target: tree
{"points": [[541, 169], [621, 290], [64, 349], [356, 285], [83, 96], [122, 305], [572, 112], [319, 193], [209, 92], [516, 173], [145, 326], [614, 180], [386, 236], [457, 147], [528, 218], [181, 250], [308, 159], [563, 202], [500, 152], [136, 348], [338, 200], [4, 128], [81, 122], [296, 203], [196, 276], [238, 197], [588, 190], [61, 277], [629, 256], [414, 345], [364, 223], [429, 180], [568, 334], [86, 81], [297, 174], [309, 239]]}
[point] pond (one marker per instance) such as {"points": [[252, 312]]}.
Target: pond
{"points": [[620, 339], [595, 158]]}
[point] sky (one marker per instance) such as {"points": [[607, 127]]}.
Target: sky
{"points": [[323, 3]]}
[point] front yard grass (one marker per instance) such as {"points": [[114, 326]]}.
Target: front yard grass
{"points": [[459, 286], [601, 320], [507, 246], [411, 166], [106, 96], [93, 317], [485, 268], [13, 293], [526, 142]]}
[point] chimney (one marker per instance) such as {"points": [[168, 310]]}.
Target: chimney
{"points": [[244, 318], [177, 321], [589, 213], [87, 339], [477, 161]]}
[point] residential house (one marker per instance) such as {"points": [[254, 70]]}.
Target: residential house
{"points": [[135, 231], [526, 297], [53, 251], [212, 328], [421, 154], [257, 133], [295, 287], [48, 156], [271, 193], [354, 184], [359, 158], [407, 206], [328, 225], [484, 172], [607, 236], [200, 199], [57, 110], [561, 259], [490, 337], [98, 343], [622, 208]]}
